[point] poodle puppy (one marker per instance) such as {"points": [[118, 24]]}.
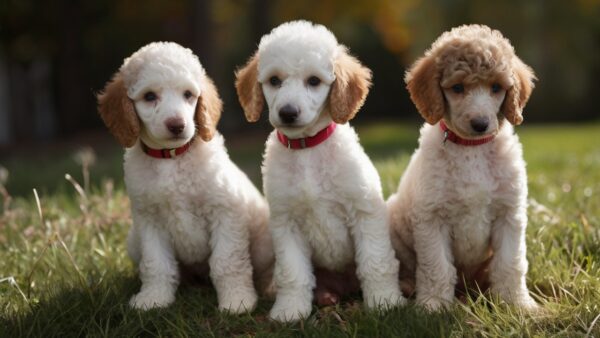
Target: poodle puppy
{"points": [[324, 193], [461, 210], [190, 203]]}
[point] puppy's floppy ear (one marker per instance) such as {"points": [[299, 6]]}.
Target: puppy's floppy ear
{"points": [[518, 94], [350, 88], [208, 110], [118, 113], [423, 84], [249, 90]]}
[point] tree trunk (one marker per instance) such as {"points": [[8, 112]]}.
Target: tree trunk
{"points": [[203, 33], [72, 86], [261, 18]]}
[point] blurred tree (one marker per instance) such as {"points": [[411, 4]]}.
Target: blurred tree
{"points": [[71, 74], [54, 56], [203, 33]]}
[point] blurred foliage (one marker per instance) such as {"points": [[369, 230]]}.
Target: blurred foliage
{"points": [[86, 42]]}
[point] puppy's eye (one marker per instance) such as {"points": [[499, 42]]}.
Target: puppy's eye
{"points": [[458, 88], [150, 97], [187, 94], [313, 81], [275, 81], [496, 88]]}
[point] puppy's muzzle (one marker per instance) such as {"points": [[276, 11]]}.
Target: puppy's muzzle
{"points": [[289, 114], [175, 125], [480, 124]]}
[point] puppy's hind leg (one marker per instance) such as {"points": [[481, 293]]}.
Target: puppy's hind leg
{"points": [[263, 258], [333, 285]]}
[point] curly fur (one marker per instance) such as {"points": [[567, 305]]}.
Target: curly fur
{"points": [[460, 211], [327, 208], [197, 207], [469, 54]]}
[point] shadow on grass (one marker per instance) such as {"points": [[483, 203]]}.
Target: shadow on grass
{"points": [[104, 311]]}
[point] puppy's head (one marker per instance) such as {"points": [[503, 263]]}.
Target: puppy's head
{"points": [[161, 95], [472, 78], [306, 78]]}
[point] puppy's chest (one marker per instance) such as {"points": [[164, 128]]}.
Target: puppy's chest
{"points": [[470, 180], [328, 233], [470, 206], [176, 198], [189, 229], [312, 199], [309, 179], [161, 182]]}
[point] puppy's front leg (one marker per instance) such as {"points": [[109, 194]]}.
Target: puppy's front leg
{"points": [[293, 272], [509, 263], [376, 264], [158, 268], [230, 266], [436, 274]]}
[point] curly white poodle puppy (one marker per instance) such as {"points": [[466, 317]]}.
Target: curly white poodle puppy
{"points": [[461, 209], [190, 203], [324, 193]]}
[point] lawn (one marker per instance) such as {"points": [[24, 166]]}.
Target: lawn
{"points": [[64, 270]]}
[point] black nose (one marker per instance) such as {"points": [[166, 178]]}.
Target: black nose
{"points": [[288, 114], [175, 125], [480, 124]]}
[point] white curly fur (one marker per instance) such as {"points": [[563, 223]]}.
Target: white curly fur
{"points": [[326, 202], [197, 207], [462, 210]]}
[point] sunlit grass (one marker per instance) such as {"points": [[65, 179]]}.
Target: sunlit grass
{"points": [[64, 270]]}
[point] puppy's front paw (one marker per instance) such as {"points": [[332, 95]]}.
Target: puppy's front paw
{"points": [[519, 298], [238, 301], [290, 309], [531, 306], [152, 298], [527, 304], [384, 299], [434, 304]]}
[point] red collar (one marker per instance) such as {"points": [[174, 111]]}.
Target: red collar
{"points": [[307, 142], [165, 153], [450, 135]]}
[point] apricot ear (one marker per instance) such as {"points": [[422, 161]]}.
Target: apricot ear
{"points": [[518, 95], [208, 110], [249, 90], [423, 84], [118, 113], [350, 88]]}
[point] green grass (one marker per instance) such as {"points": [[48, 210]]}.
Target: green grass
{"points": [[65, 272]]}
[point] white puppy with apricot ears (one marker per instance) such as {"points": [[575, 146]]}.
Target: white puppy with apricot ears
{"points": [[191, 205], [325, 198]]}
